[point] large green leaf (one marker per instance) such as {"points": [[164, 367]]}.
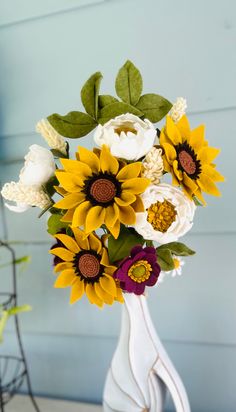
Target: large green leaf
{"points": [[129, 83], [55, 224], [116, 109], [89, 94], [154, 107], [72, 125], [165, 259], [120, 248], [105, 99], [177, 248]]}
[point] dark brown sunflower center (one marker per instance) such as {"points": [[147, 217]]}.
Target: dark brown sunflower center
{"points": [[187, 160], [103, 190], [89, 265]]}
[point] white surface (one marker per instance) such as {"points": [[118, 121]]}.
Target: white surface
{"points": [[23, 404]]}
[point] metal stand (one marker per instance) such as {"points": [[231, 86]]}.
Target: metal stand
{"points": [[13, 370]]}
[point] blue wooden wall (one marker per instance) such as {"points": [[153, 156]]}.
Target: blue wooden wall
{"points": [[184, 48]]}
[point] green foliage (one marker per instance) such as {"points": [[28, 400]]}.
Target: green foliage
{"points": [[89, 94], [197, 201], [73, 125], [120, 248], [154, 107], [55, 224], [24, 260], [49, 187], [165, 259], [5, 314], [165, 254], [129, 83], [115, 109], [105, 99]]}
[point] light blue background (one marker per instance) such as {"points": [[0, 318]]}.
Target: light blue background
{"points": [[183, 48]]}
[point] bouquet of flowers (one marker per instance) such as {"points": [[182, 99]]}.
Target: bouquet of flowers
{"points": [[115, 218]]}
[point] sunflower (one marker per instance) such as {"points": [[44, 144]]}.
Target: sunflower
{"points": [[85, 267], [189, 158], [98, 189]]}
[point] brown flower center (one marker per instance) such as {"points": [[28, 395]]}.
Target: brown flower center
{"points": [[187, 162], [89, 265], [103, 190], [161, 215]]}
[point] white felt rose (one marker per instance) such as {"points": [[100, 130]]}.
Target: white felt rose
{"points": [[127, 136], [168, 214], [39, 166]]}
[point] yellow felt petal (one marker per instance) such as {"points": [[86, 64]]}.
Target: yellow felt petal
{"points": [[81, 213], [89, 158], [104, 296], [184, 127], [60, 190], [77, 291], [208, 154], [125, 199], [129, 171], [119, 295], [172, 131], [170, 152], [68, 241], [95, 218], [80, 238], [112, 214], [138, 205], [70, 201], [190, 183], [115, 230], [196, 140], [108, 162], [208, 186], [69, 181], [127, 215], [213, 173], [108, 283], [62, 253], [178, 173], [65, 279], [62, 266], [105, 258], [75, 166], [92, 296], [136, 185], [198, 194], [95, 242], [68, 216]]}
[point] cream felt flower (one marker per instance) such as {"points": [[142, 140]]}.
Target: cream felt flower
{"points": [[168, 214], [153, 165], [178, 109], [127, 136], [25, 196], [51, 136], [39, 166]]}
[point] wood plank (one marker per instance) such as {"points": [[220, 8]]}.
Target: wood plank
{"points": [[22, 404], [22, 10]]}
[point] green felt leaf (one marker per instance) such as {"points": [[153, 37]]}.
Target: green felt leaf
{"points": [[49, 187], [154, 107], [129, 83], [56, 153], [73, 125], [116, 109], [165, 259], [89, 94], [120, 248], [197, 201], [177, 248], [5, 314], [105, 99], [55, 224]]}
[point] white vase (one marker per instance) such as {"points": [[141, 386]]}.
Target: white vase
{"points": [[141, 371]]}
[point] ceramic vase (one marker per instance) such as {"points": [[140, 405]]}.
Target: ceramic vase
{"points": [[141, 371]]}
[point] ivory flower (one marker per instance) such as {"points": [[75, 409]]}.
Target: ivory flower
{"points": [[53, 139], [153, 165], [127, 136], [178, 109], [39, 166], [168, 214], [25, 196]]}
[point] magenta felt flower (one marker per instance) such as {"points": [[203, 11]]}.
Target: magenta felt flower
{"points": [[138, 270]]}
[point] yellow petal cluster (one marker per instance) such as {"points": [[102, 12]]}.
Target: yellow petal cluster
{"points": [[189, 158], [99, 190], [84, 266]]}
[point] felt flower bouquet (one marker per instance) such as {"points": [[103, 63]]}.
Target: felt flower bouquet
{"points": [[115, 219]]}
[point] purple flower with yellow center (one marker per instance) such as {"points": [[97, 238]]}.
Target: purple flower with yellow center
{"points": [[138, 270]]}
